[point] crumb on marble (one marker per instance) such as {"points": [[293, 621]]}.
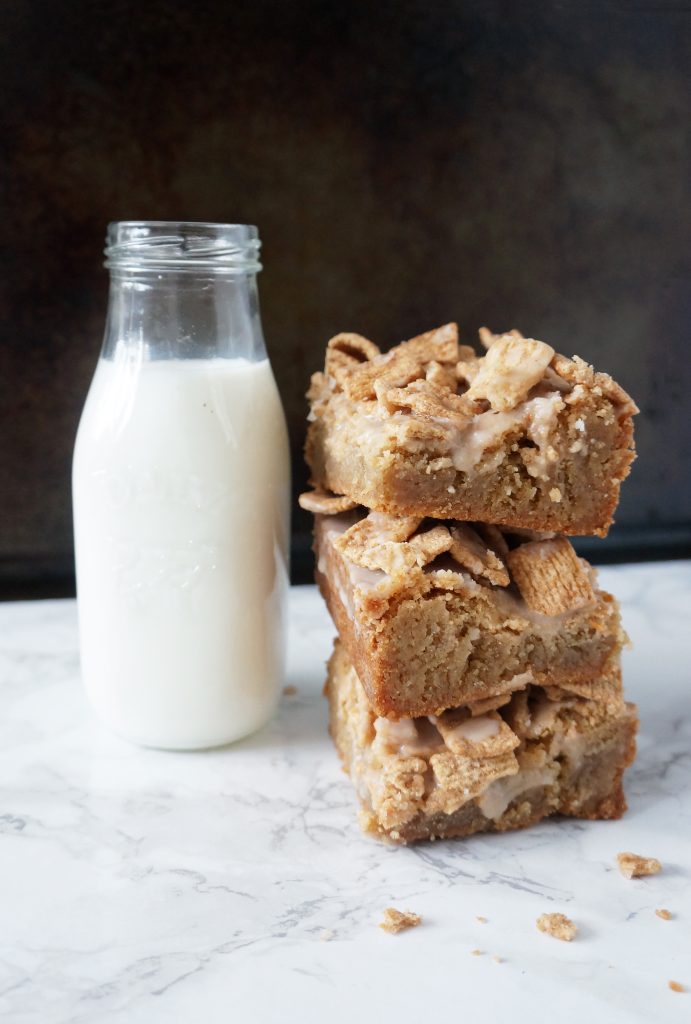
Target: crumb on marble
{"points": [[326, 935], [666, 915], [497, 960], [559, 926], [476, 952], [398, 920], [632, 865], [481, 920], [289, 691], [675, 986]]}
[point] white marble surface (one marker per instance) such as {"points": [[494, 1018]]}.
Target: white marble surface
{"points": [[146, 887]]}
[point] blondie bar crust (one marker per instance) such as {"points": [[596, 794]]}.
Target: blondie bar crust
{"points": [[434, 615], [545, 752], [521, 436]]}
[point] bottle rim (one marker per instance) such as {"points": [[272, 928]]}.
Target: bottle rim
{"points": [[182, 245]]}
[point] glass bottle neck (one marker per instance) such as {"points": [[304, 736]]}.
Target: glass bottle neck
{"points": [[183, 314]]}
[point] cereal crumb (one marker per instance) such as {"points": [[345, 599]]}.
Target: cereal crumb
{"points": [[481, 920], [555, 494], [289, 691], [633, 866], [497, 960], [675, 986], [398, 920], [327, 935], [476, 952], [559, 926], [664, 914]]}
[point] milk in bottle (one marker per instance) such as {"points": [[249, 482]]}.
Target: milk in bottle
{"points": [[181, 494]]}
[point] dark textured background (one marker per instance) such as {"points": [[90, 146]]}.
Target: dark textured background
{"points": [[407, 163]]}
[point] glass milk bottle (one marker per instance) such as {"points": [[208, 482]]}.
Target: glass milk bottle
{"points": [[181, 493]]}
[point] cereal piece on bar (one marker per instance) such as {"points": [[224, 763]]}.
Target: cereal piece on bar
{"points": [[457, 780], [487, 735], [399, 920], [675, 986], [481, 707], [375, 542], [487, 338], [666, 915], [346, 351], [510, 369], [473, 554], [320, 502], [429, 544], [354, 346], [559, 926], [427, 400], [438, 345], [577, 372], [550, 576], [633, 866], [468, 366], [444, 376], [394, 373], [494, 538]]}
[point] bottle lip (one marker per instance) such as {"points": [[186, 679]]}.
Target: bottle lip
{"points": [[182, 245]]}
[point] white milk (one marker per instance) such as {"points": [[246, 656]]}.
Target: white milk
{"points": [[181, 496]]}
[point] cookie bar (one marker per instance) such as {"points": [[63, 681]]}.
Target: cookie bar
{"points": [[545, 752], [438, 614], [520, 436]]}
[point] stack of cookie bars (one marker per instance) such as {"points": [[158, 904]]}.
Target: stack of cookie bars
{"points": [[475, 684]]}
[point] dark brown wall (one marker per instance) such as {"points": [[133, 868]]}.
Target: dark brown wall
{"points": [[407, 163]]}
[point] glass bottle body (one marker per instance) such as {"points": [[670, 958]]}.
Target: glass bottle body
{"points": [[181, 510]]}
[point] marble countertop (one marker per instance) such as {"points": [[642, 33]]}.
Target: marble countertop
{"points": [[144, 887]]}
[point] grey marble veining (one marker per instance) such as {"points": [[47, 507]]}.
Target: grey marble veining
{"points": [[143, 887]]}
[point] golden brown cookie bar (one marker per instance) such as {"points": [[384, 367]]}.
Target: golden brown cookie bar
{"points": [[544, 753], [437, 614], [520, 436]]}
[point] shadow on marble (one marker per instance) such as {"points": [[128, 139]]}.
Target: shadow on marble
{"points": [[301, 723]]}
